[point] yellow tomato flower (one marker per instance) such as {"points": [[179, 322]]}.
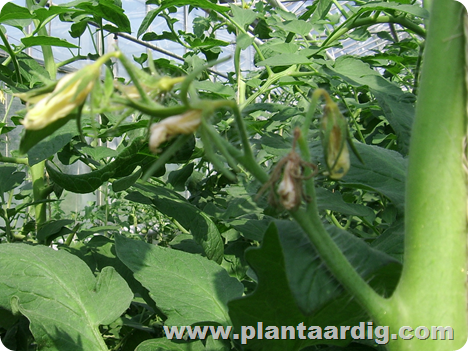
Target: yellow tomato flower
{"points": [[180, 124]]}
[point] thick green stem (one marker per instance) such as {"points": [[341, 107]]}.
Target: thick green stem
{"points": [[37, 175], [432, 290], [17, 160]]}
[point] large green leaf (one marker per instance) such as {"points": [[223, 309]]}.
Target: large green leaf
{"points": [[189, 216], [310, 281], [400, 114], [98, 253], [297, 26], [64, 302], [273, 303], [187, 288]]}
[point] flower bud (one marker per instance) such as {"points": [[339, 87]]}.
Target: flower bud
{"points": [[334, 134], [180, 124], [290, 187]]}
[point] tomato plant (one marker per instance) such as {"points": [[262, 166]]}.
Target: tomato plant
{"points": [[306, 190]]}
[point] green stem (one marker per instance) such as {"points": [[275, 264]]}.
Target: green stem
{"points": [[240, 80], [338, 264], [12, 56], [171, 150], [37, 175], [17, 160], [133, 76], [340, 8], [266, 86], [255, 46], [432, 288]]}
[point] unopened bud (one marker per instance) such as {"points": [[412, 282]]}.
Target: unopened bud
{"points": [[290, 187], [186, 123], [334, 133]]}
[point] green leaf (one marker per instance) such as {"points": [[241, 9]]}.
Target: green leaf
{"points": [[83, 183], [215, 87], [178, 178], [273, 304], [53, 229], [360, 34], [392, 240], [122, 166], [187, 288], [31, 138], [297, 26], [242, 17], [189, 216], [327, 200], [206, 42], [15, 16], [251, 228], [383, 171], [31, 70], [98, 152], [107, 10], [283, 48], [10, 178], [244, 40], [44, 13], [323, 9], [99, 252], [397, 105], [63, 300], [164, 344], [285, 60], [51, 145], [124, 183], [47, 41], [311, 282], [151, 15], [400, 114]]}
